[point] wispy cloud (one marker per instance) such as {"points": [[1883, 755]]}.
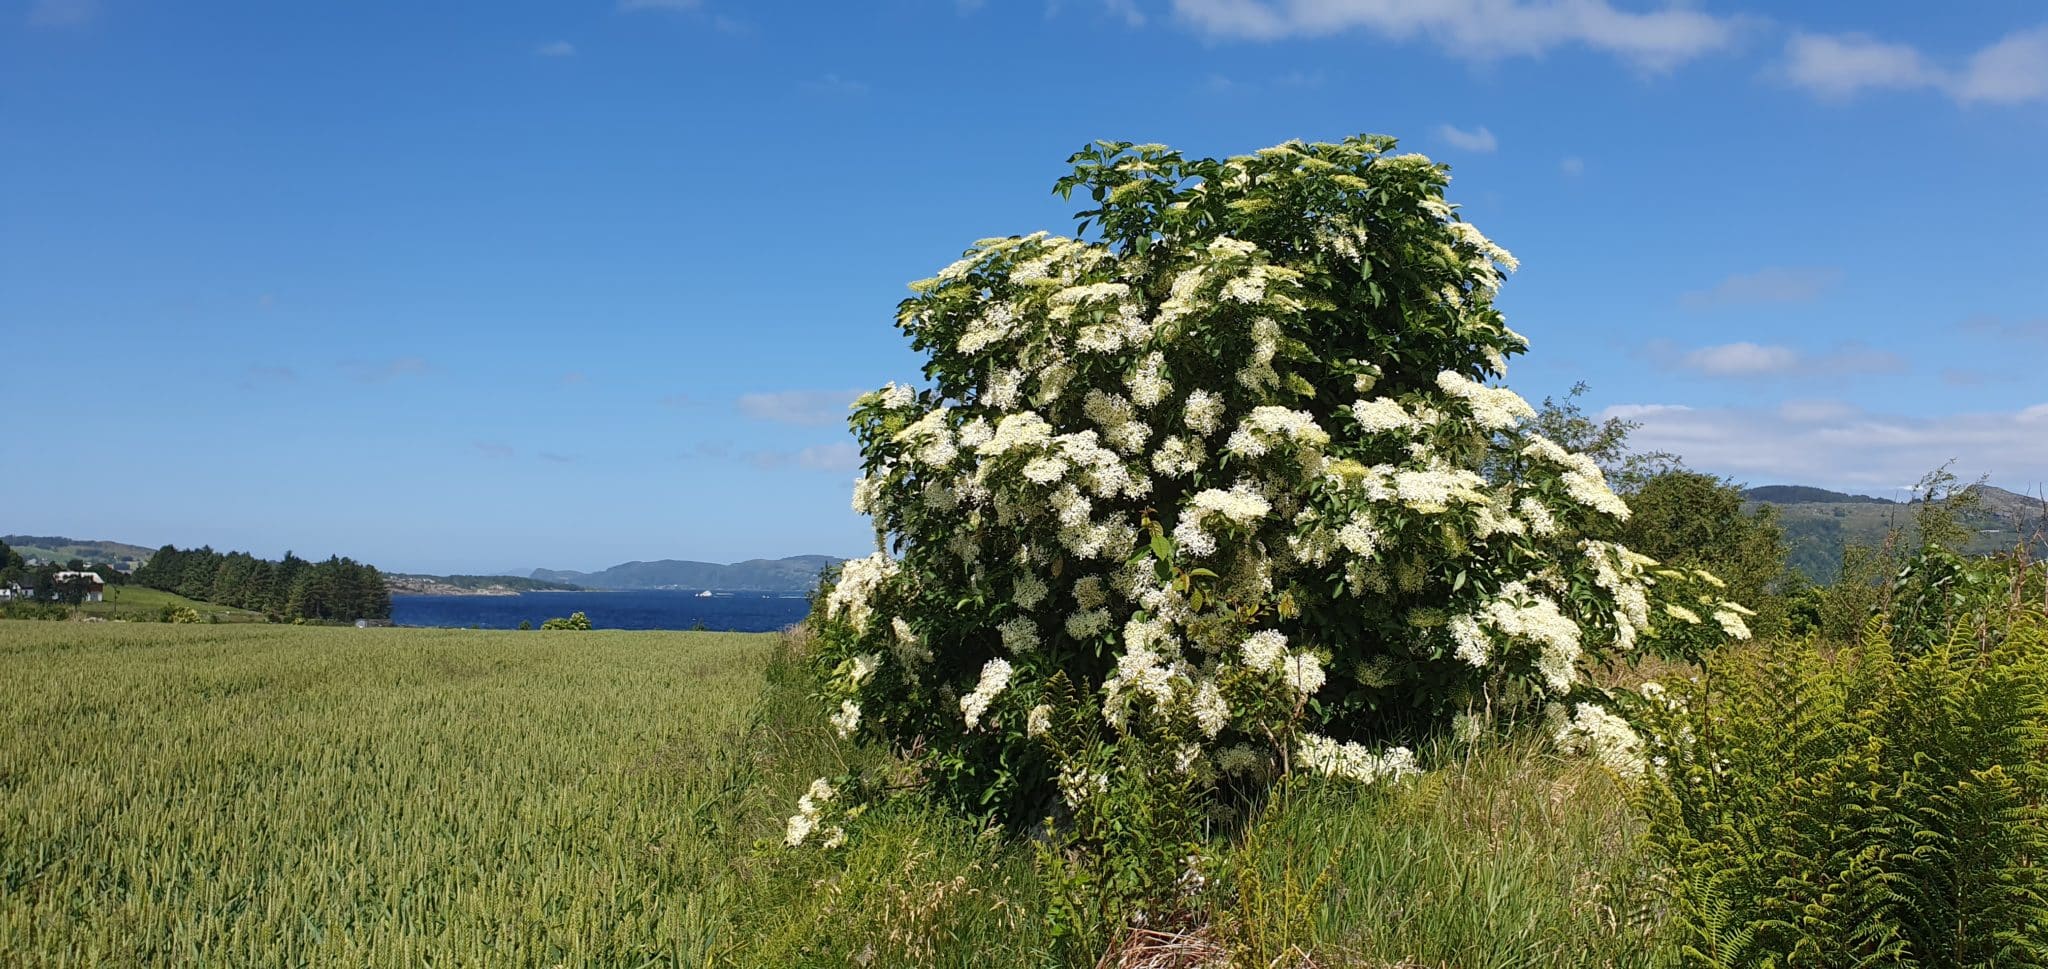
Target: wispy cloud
{"points": [[839, 457], [1655, 39], [1831, 443], [63, 13], [1836, 67], [556, 457], [1745, 359], [495, 450], [1477, 140], [384, 371], [1573, 166], [1292, 80], [1777, 284], [805, 408], [558, 48], [575, 378], [2000, 328]]}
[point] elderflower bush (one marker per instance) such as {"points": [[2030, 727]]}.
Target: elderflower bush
{"points": [[1227, 481]]}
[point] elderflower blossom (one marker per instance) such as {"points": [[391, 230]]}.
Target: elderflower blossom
{"points": [[1148, 383], [1493, 408], [995, 676], [1038, 722], [858, 580], [1433, 489], [1519, 613], [1582, 478], [1381, 415], [1352, 761], [1731, 624], [1211, 711], [1470, 642], [808, 809], [1020, 635], [1020, 430], [1303, 673], [1028, 591], [1265, 650], [1593, 730], [1359, 536], [847, 720], [1203, 413], [1266, 425]]}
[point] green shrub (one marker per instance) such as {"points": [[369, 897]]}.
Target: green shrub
{"points": [[576, 620], [1220, 494], [1876, 806]]}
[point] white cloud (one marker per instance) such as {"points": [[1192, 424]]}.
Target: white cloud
{"points": [[1810, 411], [1746, 359], [1479, 29], [805, 408], [1479, 139], [1774, 284], [1573, 166], [1630, 412], [1850, 448], [1998, 328], [62, 13], [1741, 360], [2012, 70], [559, 48]]}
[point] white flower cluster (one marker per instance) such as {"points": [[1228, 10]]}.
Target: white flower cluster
{"points": [[1493, 408], [809, 808], [1582, 478], [1518, 613], [994, 677], [1594, 730], [852, 596], [1352, 761]]}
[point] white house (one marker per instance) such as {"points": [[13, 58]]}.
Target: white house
{"points": [[97, 586]]}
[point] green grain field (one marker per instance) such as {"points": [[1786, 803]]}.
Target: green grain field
{"points": [[291, 796]]}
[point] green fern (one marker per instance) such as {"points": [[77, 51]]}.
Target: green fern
{"points": [[1885, 804]]}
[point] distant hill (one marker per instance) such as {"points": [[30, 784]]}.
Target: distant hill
{"points": [[1798, 494], [1820, 523], [795, 574], [401, 583], [56, 548]]}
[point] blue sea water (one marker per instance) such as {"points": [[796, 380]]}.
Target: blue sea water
{"points": [[653, 609]]}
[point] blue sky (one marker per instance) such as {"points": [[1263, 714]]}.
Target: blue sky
{"points": [[474, 286]]}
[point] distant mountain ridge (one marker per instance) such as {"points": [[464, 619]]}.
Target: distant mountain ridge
{"points": [[1819, 523], [795, 574], [56, 548], [1797, 494]]}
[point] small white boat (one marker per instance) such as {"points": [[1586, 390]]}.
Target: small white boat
{"points": [[706, 594]]}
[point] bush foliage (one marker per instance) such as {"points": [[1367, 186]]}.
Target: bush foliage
{"points": [[1219, 494]]}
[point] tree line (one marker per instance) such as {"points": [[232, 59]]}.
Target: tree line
{"points": [[337, 590]]}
